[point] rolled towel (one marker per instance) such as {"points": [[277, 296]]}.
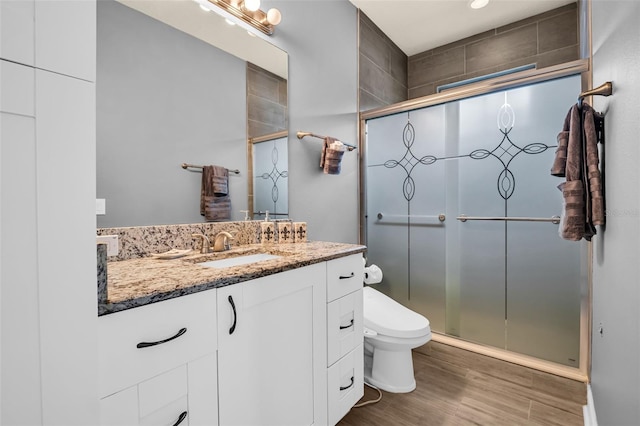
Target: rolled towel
{"points": [[325, 146], [333, 158]]}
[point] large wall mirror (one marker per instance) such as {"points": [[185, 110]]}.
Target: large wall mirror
{"points": [[176, 84]]}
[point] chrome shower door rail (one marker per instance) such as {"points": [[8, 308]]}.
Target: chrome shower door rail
{"points": [[554, 219]]}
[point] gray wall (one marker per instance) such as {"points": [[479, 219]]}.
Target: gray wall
{"points": [[616, 291], [163, 98], [546, 39], [321, 39]]}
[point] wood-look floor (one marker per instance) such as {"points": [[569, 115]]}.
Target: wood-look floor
{"points": [[458, 387]]}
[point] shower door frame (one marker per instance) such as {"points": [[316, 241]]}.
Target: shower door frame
{"points": [[506, 82]]}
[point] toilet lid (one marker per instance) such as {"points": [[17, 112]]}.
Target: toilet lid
{"points": [[388, 317]]}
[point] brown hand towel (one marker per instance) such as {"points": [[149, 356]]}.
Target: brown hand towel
{"points": [[215, 183], [217, 208]]}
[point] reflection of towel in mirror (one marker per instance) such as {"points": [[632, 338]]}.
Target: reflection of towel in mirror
{"points": [[331, 158], [214, 200], [217, 208]]}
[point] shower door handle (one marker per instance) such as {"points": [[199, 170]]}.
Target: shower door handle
{"points": [[554, 219]]}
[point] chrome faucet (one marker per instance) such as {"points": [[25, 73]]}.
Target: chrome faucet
{"points": [[206, 244], [221, 241]]}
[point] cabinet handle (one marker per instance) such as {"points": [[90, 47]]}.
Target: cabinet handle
{"points": [[344, 277], [182, 416], [159, 342], [235, 315], [347, 387], [343, 327]]}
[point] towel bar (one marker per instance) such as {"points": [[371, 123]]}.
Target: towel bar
{"points": [[193, 166], [301, 135]]}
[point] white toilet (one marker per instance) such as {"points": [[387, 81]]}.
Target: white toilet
{"points": [[390, 332]]}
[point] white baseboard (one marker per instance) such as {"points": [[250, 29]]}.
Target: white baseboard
{"points": [[589, 410]]}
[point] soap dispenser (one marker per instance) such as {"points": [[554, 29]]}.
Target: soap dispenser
{"points": [[268, 233]]}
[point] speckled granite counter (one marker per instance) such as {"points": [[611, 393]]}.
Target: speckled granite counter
{"points": [[138, 282]]}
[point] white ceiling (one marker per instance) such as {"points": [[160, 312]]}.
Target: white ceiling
{"points": [[420, 25]]}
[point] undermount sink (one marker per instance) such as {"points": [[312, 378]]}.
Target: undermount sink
{"points": [[239, 260]]}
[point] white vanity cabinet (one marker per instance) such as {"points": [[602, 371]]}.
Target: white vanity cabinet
{"points": [[345, 358], [284, 349], [157, 363], [272, 349]]}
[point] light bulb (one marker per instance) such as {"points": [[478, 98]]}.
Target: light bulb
{"points": [[252, 5], [274, 16], [478, 4]]}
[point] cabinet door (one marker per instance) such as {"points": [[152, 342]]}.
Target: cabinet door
{"points": [[65, 37], [267, 339], [17, 31], [120, 409], [203, 391], [66, 192], [20, 352]]}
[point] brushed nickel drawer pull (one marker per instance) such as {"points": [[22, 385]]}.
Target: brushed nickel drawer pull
{"points": [[159, 342]]}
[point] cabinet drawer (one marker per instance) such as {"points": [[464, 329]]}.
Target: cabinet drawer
{"points": [[122, 363], [345, 384], [344, 276], [344, 326], [169, 414], [161, 390]]}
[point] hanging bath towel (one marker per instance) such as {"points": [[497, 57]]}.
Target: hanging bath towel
{"points": [[577, 160]]}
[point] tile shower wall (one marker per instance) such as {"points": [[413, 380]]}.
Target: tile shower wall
{"points": [[546, 39], [266, 102], [383, 68]]}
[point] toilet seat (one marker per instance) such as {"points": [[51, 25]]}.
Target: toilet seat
{"points": [[387, 317]]}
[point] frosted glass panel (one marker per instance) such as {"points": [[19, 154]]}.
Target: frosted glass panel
{"points": [[482, 250], [270, 183], [543, 270], [405, 198]]}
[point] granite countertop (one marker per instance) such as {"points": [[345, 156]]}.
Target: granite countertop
{"points": [[138, 282]]}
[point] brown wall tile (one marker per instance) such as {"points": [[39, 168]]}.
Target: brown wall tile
{"points": [[546, 39], [266, 102], [558, 32], [436, 67], [506, 47], [383, 68]]}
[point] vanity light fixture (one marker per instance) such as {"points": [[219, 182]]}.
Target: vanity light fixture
{"points": [[245, 11], [478, 4]]}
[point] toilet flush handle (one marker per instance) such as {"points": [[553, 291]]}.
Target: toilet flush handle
{"points": [[369, 333]]}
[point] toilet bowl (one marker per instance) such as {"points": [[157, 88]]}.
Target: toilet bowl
{"points": [[390, 332]]}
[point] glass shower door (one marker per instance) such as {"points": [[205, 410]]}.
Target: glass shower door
{"points": [[405, 204], [459, 207], [519, 281]]}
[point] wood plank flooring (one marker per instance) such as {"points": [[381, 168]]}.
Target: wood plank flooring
{"points": [[458, 387]]}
